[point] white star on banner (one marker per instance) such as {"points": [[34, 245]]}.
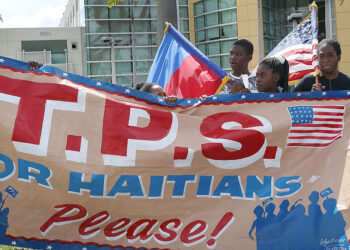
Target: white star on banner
{"points": [[160, 99], [348, 93], [243, 96], [49, 247], [313, 178], [299, 94], [14, 243], [127, 91], [324, 93], [84, 248], [189, 102], [214, 98], [99, 83], [272, 95], [65, 74], [2, 60]]}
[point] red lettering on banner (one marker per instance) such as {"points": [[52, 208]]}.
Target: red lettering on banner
{"points": [[249, 142], [117, 229], [142, 230], [63, 216], [90, 227], [122, 135], [193, 233], [171, 235], [33, 110]]}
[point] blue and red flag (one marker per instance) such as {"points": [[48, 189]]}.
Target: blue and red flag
{"points": [[182, 70]]}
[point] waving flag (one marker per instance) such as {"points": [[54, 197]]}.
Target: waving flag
{"points": [[299, 47], [182, 70], [315, 126]]}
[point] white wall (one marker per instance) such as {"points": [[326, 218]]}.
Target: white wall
{"points": [[10, 42]]}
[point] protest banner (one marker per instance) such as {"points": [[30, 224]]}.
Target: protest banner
{"points": [[85, 164]]}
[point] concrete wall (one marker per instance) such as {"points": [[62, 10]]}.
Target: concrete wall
{"points": [[10, 42], [342, 25]]}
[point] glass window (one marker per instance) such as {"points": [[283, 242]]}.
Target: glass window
{"points": [[213, 33], [210, 5], [183, 12], [153, 26], [183, 2], [145, 53], [184, 26], [120, 12], [124, 80], [228, 16], [142, 26], [145, 39], [99, 68], [141, 78], [215, 59], [199, 22], [126, 39], [200, 36], [187, 35], [212, 19], [227, 4], [202, 48], [141, 11], [95, 40], [123, 54], [198, 8], [102, 78], [229, 31], [96, 2], [226, 46], [97, 12], [58, 58], [153, 12], [120, 26], [143, 67], [123, 67], [225, 62], [213, 48], [101, 54], [97, 26]]}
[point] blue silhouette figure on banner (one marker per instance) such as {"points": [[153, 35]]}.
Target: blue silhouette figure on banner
{"points": [[294, 229], [3, 218]]}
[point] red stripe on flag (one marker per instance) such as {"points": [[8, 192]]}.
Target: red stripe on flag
{"points": [[328, 113], [328, 119], [317, 125], [328, 107], [314, 131], [316, 145], [312, 137], [296, 51]]}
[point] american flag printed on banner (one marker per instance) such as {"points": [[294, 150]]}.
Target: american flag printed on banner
{"points": [[299, 47], [315, 126]]}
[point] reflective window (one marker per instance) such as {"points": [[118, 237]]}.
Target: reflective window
{"points": [[215, 22]]}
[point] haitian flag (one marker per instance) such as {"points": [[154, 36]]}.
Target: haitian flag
{"points": [[182, 70]]}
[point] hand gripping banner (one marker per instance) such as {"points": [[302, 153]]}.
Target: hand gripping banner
{"points": [[85, 164]]}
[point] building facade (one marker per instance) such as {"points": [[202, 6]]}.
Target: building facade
{"points": [[59, 47], [121, 42]]}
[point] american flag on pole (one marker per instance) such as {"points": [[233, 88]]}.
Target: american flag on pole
{"points": [[315, 126], [299, 47]]}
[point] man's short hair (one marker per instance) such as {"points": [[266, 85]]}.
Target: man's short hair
{"points": [[246, 44], [330, 41]]}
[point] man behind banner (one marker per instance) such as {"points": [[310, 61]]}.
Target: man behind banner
{"points": [[329, 55]]}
